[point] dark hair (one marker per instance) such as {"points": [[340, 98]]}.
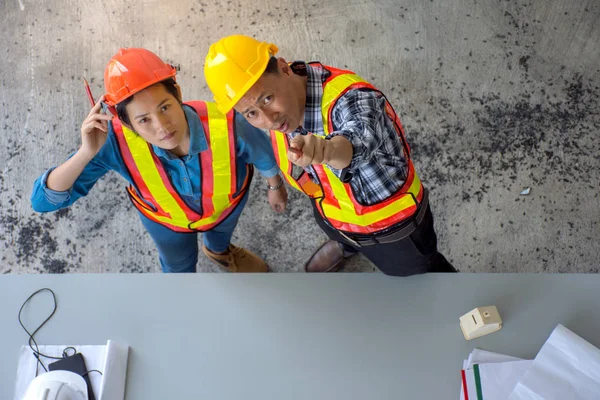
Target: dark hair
{"points": [[169, 85], [272, 67]]}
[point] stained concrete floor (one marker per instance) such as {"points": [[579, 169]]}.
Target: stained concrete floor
{"points": [[496, 96]]}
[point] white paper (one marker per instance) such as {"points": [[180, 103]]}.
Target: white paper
{"points": [[478, 356], [110, 359], [496, 380], [567, 367], [93, 355], [482, 357], [115, 371]]}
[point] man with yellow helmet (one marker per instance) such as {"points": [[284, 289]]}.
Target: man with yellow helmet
{"points": [[189, 166], [345, 134]]}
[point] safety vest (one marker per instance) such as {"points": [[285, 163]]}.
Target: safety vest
{"points": [[333, 198], [153, 194]]}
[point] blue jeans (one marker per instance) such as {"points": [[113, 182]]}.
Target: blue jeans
{"points": [[178, 252]]}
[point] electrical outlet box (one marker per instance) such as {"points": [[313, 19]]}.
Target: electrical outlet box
{"points": [[480, 321]]}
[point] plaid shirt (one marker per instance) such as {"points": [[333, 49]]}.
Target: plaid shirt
{"points": [[379, 166]]}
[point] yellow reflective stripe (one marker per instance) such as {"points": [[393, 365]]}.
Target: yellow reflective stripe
{"points": [[221, 156], [347, 213], [145, 164], [332, 90], [221, 163], [284, 162]]}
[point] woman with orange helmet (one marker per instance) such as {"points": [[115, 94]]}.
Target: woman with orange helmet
{"points": [[189, 165]]}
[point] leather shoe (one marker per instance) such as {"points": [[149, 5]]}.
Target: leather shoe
{"points": [[237, 259], [328, 258]]}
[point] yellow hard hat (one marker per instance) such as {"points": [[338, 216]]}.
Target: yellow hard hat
{"points": [[233, 65]]}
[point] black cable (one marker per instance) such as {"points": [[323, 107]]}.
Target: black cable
{"points": [[93, 370], [65, 354], [36, 351]]}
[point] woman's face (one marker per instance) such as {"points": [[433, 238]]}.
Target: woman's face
{"points": [[158, 117]]}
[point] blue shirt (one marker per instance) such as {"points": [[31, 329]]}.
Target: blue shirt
{"points": [[252, 147]]}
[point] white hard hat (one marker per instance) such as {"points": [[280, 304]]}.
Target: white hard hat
{"points": [[57, 385]]}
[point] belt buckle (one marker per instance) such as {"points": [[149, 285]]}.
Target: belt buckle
{"points": [[354, 242]]}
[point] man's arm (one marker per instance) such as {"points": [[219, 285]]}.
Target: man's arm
{"points": [[362, 128], [360, 117], [310, 149]]}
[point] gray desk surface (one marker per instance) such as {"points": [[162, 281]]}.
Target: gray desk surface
{"points": [[295, 336]]}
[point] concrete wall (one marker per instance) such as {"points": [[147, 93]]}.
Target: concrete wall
{"points": [[496, 96]]}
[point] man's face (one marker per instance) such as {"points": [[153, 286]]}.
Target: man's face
{"points": [[275, 102]]}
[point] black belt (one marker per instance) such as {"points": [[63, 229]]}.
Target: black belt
{"points": [[396, 234]]}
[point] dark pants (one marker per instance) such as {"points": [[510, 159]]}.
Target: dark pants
{"points": [[415, 254]]}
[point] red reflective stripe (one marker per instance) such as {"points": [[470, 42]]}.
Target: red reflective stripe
{"points": [[288, 172], [275, 145], [361, 209], [132, 167], [205, 162], [149, 213], [235, 201], [135, 197], [375, 227], [358, 85], [151, 217], [392, 114], [201, 109], [328, 195], [233, 204]]}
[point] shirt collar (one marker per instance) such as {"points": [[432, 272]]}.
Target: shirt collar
{"points": [[198, 141], [315, 76]]}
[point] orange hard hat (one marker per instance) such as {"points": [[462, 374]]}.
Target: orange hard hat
{"points": [[132, 70]]}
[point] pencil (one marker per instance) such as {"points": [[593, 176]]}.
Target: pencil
{"points": [[89, 92]]}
